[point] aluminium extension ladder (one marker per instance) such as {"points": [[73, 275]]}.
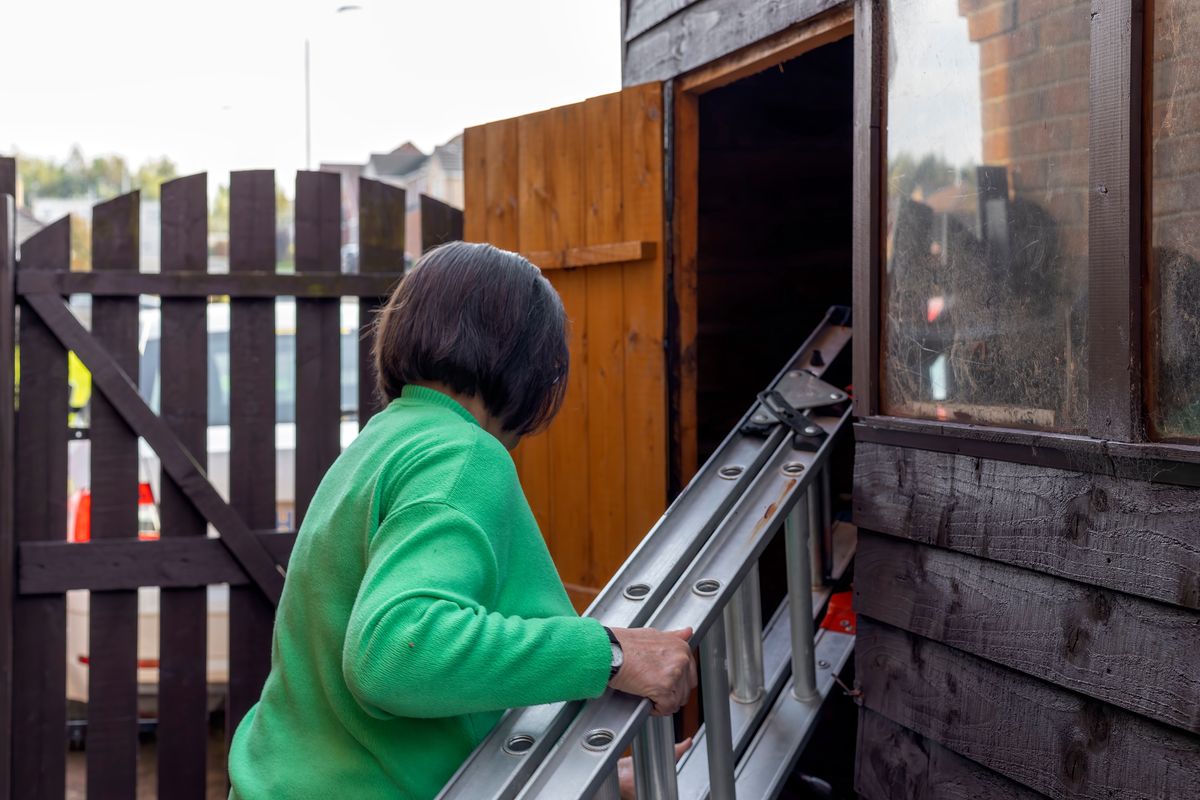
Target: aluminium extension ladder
{"points": [[761, 686]]}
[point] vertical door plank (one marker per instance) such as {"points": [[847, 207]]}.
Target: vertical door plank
{"points": [[251, 428], [603, 222], [182, 736], [684, 272], [475, 184], [318, 346], [381, 250], [563, 218], [440, 223], [500, 198], [8, 318], [112, 645], [644, 288], [39, 714], [532, 235]]}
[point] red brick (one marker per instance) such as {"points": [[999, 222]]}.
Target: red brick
{"points": [[995, 82], [1064, 27], [992, 20]]}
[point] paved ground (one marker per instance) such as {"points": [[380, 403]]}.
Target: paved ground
{"points": [[147, 777]]}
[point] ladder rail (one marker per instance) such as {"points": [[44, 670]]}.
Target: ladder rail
{"points": [[498, 770], [697, 599]]}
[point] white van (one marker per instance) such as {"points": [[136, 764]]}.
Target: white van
{"points": [[218, 472]]}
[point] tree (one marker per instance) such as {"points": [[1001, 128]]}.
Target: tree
{"points": [[152, 174], [102, 177]]}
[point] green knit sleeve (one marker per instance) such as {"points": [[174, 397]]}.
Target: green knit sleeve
{"points": [[422, 643]]}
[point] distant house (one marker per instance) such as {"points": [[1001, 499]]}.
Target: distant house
{"points": [[438, 174]]}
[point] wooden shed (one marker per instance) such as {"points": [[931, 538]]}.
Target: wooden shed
{"points": [[1004, 191]]}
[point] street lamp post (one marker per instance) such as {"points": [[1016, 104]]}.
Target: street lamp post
{"points": [[308, 92]]}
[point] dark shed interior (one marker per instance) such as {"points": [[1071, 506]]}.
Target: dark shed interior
{"points": [[774, 226]]}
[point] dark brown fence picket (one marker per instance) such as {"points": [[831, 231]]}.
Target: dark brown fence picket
{"points": [[318, 329], [251, 427], [8, 545], [112, 615], [39, 715], [183, 381], [440, 223], [381, 250]]}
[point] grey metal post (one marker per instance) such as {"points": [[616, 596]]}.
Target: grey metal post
{"points": [[654, 761], [816, 563], [743, 639], [796, 531], [610, 789], [826, 523], [718, 731]]}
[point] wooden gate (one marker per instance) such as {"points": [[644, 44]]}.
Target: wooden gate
{"points": [[579, 191], [38, 565]]}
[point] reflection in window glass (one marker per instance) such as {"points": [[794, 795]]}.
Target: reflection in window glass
{"points": [[985, 290], [1175, 236]]}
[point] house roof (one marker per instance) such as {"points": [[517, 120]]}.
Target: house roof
{"points": [[402, 160]]}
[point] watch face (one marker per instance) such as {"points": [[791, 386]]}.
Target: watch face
{"points": [[618, 655]]}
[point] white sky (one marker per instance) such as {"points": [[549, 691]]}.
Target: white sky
{"points": [[219, 85]]}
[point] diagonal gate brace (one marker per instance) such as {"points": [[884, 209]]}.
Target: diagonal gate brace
{"points": [[177, 462]]}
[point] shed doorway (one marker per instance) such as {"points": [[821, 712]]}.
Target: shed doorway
{"points": [[773, 226]]}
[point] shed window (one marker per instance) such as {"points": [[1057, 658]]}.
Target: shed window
{"points": [[1174, 314], [985, 289]]}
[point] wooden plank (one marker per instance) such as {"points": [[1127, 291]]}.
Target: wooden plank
{"points": [[605, 336], [1124, 650], [318, 336], [191, 283], [1133, 537], [592, 254], [440, 223], [838, 23], [708, 30], [1044, 737], [39, 709], [175, 460], [870, 73], [381, 252], [894, 762], [1166, 463], [1115, 222], [251, 429], [182, 741], [8, 465], [8, 462], [500, 211], [644, 288], [173, 562], [8, 175], [684, 282], [475, 184], [645, 14], [112, 616], [533, 453], [562, 214]]}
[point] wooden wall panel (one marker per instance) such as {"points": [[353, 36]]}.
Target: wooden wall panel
{"points": [[893, 762], [588, 176], [1047, 738], [1134, 653], [1133, 536]]}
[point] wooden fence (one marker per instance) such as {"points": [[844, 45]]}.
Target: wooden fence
{"points": [[37, 563]]}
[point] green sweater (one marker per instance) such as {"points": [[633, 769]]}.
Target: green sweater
{"points": [[420, 602]]}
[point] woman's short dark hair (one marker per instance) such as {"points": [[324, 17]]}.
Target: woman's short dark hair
{"points": [[483, 321]]}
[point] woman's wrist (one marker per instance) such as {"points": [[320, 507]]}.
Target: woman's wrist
{"points": [[618, 654]]}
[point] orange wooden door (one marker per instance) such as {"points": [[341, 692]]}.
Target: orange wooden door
{"points": [[579, 191]]}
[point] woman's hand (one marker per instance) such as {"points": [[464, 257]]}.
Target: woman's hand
{"points": [[625, 770], [658, 665]]}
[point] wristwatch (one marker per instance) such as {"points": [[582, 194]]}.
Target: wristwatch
{"points": [[618, 655]]}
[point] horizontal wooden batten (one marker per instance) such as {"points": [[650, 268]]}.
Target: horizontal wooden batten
{"points": [[205, 284], [54, 567], [894, 762], [591, 255], [1134, 653], [1044, 737], [1177, 464], [1134, 537]]}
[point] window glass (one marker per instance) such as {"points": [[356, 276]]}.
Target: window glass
{"points": [[1174, 297], [985, 290]]}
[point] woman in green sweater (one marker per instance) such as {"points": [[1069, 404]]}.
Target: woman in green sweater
{"points": [[420, 599]]}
